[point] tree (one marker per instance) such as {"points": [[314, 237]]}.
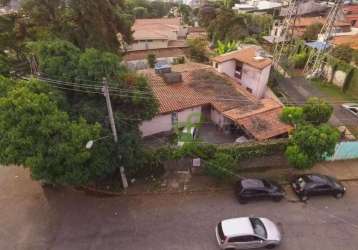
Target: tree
{"points": [[317, 111], [74, 20], [299, 60], [186, 13], [343, 52], [292, 115], [151, 59], [57, 58], [198, 49], [311, 32], [310, 144], [140, 12], [37, 135]]}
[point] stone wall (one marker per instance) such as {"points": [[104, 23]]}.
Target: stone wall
{"points": [[337, 77]]}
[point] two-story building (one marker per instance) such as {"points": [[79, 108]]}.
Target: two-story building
{"points": [[249, 67]]}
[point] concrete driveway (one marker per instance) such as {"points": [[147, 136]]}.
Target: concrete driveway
{"points": [[298, 90], [32, 218]]}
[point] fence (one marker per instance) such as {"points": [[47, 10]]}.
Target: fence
{"points": [[345, 151]]}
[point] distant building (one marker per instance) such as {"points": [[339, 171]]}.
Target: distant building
{"points": [[351, 14], [248, 67], [257, 6], [351, 41], [157, 34], [308, 8]]}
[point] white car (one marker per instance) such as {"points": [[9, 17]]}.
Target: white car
{"points": [[247, 232], [188, 134], [351, 107]]}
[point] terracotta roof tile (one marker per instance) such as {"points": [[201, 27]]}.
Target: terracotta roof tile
{"points": [[245, 55], [351, 41], [265, 125], [307, 21], [155, 28]]}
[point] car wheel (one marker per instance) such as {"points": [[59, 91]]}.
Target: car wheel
{"points": [[304, 198], [338, 195], [277, 198], [270, 246]]}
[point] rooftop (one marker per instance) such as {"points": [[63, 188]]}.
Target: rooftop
{"points": [[350, 9], [307, 7], [203, 85], [156, 28], [246, 55], [352, 41]]}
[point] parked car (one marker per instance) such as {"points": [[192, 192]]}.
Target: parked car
{"points": [[247, 232], [253, 188], [351, 107], [315, 184], [188, 134]]}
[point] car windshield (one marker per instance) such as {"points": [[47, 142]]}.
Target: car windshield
{"points": [[258, 227]]}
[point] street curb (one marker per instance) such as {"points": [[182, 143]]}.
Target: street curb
{"points": [[101, 192]]}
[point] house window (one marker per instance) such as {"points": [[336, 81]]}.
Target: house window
{"points": [[174, 118], [238, 70], [354, 22], [215, 65], [249, 89]]}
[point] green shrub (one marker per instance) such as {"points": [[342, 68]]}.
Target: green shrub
{"points": [[299, 60], [220, 166], [292, 115], [151, 59], [343, 52], [317, 111], [150, 165]]}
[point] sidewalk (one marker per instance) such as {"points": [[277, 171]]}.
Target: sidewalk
{"points": [[185, 183]]}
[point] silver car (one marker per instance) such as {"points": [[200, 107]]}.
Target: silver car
{"points": [[351, 107], [247, 232]]}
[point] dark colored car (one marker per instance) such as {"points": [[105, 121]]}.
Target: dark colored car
{"points": [[315, 184], [252, 188]]}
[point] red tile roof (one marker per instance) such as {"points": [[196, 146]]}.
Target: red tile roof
{"points": [[350, 8], [351, 41], [307, 21], [245, 55], [265, 125], [154, 28]]}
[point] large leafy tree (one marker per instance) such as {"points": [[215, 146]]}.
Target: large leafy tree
{"points": [[317, 111], [310, 144], [86, 23], [38, 135], [343, 52]]}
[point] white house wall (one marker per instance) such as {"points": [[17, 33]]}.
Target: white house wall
{"points": [[144, 45], [264, 77], [227, 68], [163, 123], [159, 124]]}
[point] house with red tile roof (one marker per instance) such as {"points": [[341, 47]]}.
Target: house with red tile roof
{"points": [[249, 67], [351, 14], [204, 92]]}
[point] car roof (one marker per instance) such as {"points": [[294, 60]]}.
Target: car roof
{"points": [[317, 178], [250, 183], [237, 227]]}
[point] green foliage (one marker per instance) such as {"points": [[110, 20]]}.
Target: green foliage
{"points": [[140, 12], [299, 60], [151, 59], [148, 9], [317, 111], [311, 32], [225, 47], [179, 60], [57, 58], [249, 40], [186, 13], [198, 49], [220, 166], [37, 135], [292, 115], [343, 52], [74, 21], [310, 144], [4, 65]]}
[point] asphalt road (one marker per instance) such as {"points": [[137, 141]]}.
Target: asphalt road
{"points": [[298, 90], [32, 218]]}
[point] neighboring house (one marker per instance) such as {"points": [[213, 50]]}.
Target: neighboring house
{"points": [[248, 66], [257, 6], [351, 14], [351, 41], [308, 8], [204, 92], [11, 7], [197, 32], [157, 34]]}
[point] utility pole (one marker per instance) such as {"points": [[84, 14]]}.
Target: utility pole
{"points": [[105, 90]]}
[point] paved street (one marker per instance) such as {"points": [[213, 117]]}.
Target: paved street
{"points": [[298, 90], [64, 220]]}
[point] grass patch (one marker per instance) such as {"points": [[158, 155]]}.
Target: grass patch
{"points": [[333, 92]]}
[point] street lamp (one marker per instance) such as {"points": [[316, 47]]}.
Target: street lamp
{"points": [[90, 143]]}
